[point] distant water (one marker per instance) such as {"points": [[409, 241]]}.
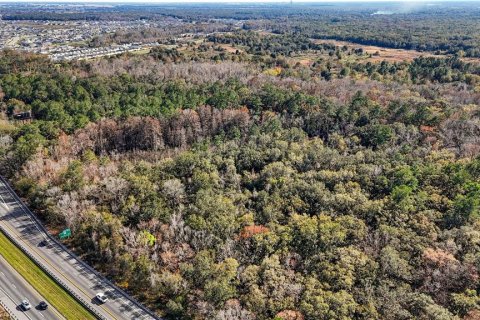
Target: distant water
{"points": [[383, 12]]}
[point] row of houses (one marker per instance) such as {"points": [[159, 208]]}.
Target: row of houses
{"points": [[72, 53]]}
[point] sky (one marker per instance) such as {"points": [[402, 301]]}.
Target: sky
{"points": [[224, 1], [405, 2]]}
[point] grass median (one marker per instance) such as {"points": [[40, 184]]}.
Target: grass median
{"points": [[42, 282]]}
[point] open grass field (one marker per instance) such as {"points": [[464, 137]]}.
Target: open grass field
{"points": [[380, 53], [231, 49], [46, 286]]}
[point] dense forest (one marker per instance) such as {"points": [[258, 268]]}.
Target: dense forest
{"points": [[259, 175]]}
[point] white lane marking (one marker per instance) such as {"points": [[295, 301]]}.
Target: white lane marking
{"points": [[13, 285], [15, 303], [29, 218], [4, 204]]}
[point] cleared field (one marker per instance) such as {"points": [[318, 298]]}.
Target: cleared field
{"points": [[45, 285], [380, 53], [231, 49], [141, 51]]}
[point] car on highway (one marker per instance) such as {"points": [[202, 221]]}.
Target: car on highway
{"points": [[26, 305], [101, 297], [42, 305]]}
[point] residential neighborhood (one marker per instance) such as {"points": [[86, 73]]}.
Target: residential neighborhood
{"points": [[70, 40]]}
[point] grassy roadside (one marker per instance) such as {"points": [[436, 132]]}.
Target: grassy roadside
{"points": [[46, 286]]}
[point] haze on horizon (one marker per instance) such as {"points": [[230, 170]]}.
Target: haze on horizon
{"points": [[231, 2]]}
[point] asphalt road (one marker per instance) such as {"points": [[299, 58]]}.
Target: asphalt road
{"points": [[16, 220], [13, 289]]}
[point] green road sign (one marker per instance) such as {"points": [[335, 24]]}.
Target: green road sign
{"points": [[67, 233]]}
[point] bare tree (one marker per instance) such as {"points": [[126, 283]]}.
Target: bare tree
{"points": [[71, 208]]}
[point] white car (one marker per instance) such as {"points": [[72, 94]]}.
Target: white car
{"points": [[101, 297], [26, 305]]}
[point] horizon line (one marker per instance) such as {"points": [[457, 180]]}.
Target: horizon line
{"points": [[227, 1]]}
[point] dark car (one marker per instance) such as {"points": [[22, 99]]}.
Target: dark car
{"points": [[43, 305]]}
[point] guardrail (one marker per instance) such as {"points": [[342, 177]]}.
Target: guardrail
{"points": [[52, 275], [7, 309], [42, 229]]}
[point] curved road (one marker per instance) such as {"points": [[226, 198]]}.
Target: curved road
{"points": [[18, 222], [13, 289]]}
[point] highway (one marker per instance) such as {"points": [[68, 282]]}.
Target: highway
{"points": [[16, 220], [13, 289]]}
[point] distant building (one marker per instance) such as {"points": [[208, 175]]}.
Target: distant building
{"points": [[27, 115]]}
